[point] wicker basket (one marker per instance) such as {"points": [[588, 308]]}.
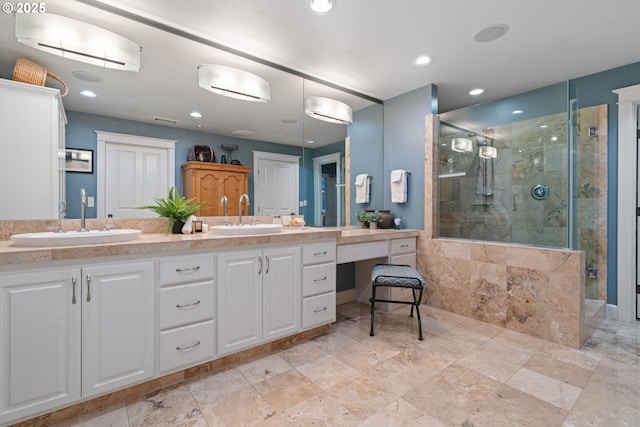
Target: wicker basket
{"points": [[201, 153], [32, 73]]}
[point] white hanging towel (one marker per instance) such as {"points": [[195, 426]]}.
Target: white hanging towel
{"points": [[398, 186], [362, 188]]}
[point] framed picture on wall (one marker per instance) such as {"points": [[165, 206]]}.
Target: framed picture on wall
{"points": [[76, 160]]}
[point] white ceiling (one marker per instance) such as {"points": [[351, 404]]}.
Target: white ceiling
{"points": [[364, 45]]}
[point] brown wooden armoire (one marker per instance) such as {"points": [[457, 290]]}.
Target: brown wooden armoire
{"points": [[208, 182]]}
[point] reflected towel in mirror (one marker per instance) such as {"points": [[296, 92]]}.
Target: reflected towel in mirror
{"points": [[362, 188]]}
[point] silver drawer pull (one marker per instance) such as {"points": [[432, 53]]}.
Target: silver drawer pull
{"points": [[320, 310], [182, 270], [404, 246], [323, 253], [188, 305], [187, 347], [320, 279]]}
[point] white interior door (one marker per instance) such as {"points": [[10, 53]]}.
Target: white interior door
{"points": [[132, 171], [275, 183]]}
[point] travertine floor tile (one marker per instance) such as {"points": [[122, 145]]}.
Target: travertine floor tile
{"points": [[545, 388], [464, 373]]}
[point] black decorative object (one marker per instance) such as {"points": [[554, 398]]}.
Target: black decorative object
{"points": [[201, 153]]}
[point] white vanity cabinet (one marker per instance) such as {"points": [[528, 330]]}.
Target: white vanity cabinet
{"points": [[118, 315], [186, 311], [40, 342], [72, 333], [319, 283], [259, 292], [32, 130]]}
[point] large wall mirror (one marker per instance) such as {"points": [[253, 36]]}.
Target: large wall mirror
{"points": [[157, 102]]}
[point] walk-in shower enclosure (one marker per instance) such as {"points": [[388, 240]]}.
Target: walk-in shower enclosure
{"points": [[528, 169]]}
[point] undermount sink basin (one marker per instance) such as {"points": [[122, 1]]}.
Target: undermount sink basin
{"points": [[72, 238], [249, 229]]}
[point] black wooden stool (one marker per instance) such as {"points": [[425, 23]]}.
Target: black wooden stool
{"points": [[397, 276]]}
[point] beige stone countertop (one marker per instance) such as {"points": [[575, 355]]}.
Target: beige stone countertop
{"points": [[350, 235], [158, 243]]}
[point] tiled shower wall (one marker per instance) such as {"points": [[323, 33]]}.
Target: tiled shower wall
{"points": [[534, 290], [533, 152]]}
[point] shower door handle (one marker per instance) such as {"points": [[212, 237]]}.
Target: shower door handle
{"points": [[515, 202]]}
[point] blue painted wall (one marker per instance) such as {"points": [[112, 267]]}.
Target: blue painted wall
{"points": [[367, 156], [404, 139], [80, 134]]}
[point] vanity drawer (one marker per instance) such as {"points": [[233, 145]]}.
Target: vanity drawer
{"points": [[184, 304], [403, 246], [317, 253], [184, 269], [187, 345], [318, 279], [318, 310]]}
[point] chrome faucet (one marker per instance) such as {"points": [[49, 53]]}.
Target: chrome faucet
{"points": [[83, 209], [225, 202], [242, 197]]}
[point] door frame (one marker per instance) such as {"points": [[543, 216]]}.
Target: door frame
{"points": [[318, 162], [103, 138], [628, 102], [285, 158]]}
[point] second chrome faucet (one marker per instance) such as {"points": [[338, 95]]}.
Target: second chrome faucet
{"points": [[242, 197]]}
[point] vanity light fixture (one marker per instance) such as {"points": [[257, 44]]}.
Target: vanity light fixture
{"points": [[321, 7], [462, 145], [234, 83], [77, 40], [328, 110], [488, 152]]}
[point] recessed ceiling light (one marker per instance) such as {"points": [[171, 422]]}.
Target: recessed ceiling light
{"points": [[88, 94], [491, 33], [195, 115], [517, 112], [321, 7], [475, 92], [310, 142], [423, 60]]}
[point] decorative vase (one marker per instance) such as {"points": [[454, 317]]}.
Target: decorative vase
{"points": [[373, 225], [362, 224], [177, 227], [387, 219]]}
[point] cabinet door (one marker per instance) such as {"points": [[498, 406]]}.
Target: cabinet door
{"points": [[39, 342], [282, 292], [239, 301], [117, 326]]}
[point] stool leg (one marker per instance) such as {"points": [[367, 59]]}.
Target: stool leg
{"points": [[417, 303], [413, 292], [373, 307]]}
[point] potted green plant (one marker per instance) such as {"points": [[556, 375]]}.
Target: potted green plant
{"points": [[373, 218], [362, 219], [175, 207]]}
